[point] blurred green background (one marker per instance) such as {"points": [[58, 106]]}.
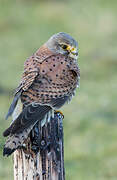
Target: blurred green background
{"points": [[90, 124]]}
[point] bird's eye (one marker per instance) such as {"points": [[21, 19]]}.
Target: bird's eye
{"points": [[64, 46]]}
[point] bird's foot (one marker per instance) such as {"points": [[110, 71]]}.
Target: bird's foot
{"points": [[60, 113]]}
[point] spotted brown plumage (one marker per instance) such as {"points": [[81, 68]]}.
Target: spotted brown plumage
{"points": [[54, 79], [50, 78]]}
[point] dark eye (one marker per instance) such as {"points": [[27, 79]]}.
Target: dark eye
{"points": [[64, 46]]}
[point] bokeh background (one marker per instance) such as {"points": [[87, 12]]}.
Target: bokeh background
{"points": [[90, 124]]}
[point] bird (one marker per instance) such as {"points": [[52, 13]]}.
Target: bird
{"points": [[50, 78]]}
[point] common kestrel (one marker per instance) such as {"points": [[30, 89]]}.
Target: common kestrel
{"points": [[50, 78]]}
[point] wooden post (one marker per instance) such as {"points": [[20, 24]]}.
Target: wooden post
{"points": [[42, 155]]}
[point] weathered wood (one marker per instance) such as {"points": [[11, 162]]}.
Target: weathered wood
{"points": [[42, 156]]}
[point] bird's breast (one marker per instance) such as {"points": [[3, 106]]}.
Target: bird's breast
{"points": [[57, 78]]}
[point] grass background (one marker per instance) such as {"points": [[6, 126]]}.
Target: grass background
{"points": [[90, 124]]}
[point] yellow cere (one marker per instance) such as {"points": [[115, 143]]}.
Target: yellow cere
{"points": [[69, 48]]}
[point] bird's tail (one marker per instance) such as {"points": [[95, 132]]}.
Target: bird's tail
{"points": [[22, 125], [15, 141]]}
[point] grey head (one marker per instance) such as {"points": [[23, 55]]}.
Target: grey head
{"points": [[64, 44]]}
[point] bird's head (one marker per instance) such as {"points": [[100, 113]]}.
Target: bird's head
{"points": [[64, 44]]}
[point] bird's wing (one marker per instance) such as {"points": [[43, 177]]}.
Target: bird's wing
{"points": [[31, 71], [29, 75]]}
